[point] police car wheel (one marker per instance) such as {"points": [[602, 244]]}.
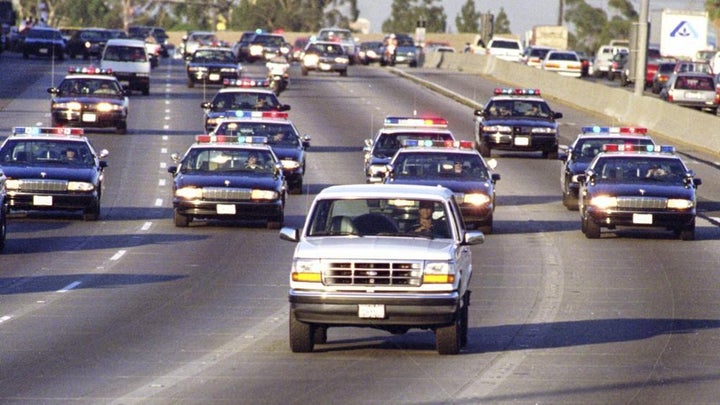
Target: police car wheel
{"points": [[320, 334], [592, 230], [570, 202], [181, 221], [688, 233], [121, 128], [92, 213]]}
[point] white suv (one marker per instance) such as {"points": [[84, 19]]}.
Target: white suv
{"points": [[129, 62], [366, 258], [505, 48]]}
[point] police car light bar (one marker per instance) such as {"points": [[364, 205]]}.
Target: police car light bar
{"points": [[258, 140], [429, 122], [247, 82], [638, 148], [408, 143], [516, 92], [89, 70], [259, 114], [596, 129], [67, 131]]}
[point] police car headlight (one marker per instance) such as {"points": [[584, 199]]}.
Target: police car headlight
{"points": [[307, 271], [476, 199], [263, 195], [106, 107], [378, 169], [80, 186], [679, 204], [228, 70], [574, 178], [72, 105], [189, 193], [341, 59], [543, 130], [284, 49], [12, 184], [256, 50], [197, 69], [290, 164], [310, 60], [604, 202], [438, 273], [497, 128]]}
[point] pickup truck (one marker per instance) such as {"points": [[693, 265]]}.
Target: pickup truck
{"points": [[362, 261]]}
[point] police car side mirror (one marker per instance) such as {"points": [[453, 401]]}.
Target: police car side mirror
{"points": [[557, 115], [284, 107], [306, 141], [290, 234], [103, 154], [53, 90], [389, 172], [479, 112], [172, 169], [206, 105], [368, 145], [495, 177], [581, 178]]}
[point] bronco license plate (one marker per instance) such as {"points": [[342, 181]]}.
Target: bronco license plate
{"points": [[371, 311]]}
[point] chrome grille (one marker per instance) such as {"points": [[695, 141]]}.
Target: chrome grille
{"points": [[642, 203], [225, 193], [44, 186], [372, 273]]}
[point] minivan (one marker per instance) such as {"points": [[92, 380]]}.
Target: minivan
{"points": [[129, 62]]}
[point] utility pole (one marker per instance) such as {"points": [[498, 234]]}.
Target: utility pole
{"points": [[561, 11], [642, 45]]}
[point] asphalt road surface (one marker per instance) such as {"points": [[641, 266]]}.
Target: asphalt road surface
{"points": [[131, 309]]}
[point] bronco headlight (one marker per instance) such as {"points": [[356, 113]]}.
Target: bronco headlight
{"points": [[80, 186], [256, 50], [342, 60], [476, 199], [604, 202], [438, 273], [497, 128], [13, 184], [263, 195], [310, 60], [679, 204], [306, 271], [189, 193]]}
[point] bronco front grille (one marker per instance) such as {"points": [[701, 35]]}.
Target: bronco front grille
{"points": [[224, 193], [642, 203], [44, 186], [371, 273]]}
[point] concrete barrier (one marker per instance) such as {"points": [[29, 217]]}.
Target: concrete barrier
{"points": [[684, 126]]}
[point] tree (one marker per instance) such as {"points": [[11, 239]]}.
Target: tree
{"points": [[502, 23], [406, 13], [588, 23], [467, 20], [713, 8]]}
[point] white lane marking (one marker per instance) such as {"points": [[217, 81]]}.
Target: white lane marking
{"points": [[163, 165], [166, 127], [163, 151], [118, 255], [5, 318], [146, 226], [165, 138], [69, 287], [159, 202], [162, 182]]}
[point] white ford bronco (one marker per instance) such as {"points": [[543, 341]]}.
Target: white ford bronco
{"points": [[364, 259]]}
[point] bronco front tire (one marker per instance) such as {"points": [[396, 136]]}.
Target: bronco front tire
{"points": [[301, 335]]}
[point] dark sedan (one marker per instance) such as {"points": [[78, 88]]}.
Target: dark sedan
{"points": [[212, 66], [44, 42]]}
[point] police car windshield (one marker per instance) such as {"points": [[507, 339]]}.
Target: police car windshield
{"points": [[447, 166], [518, 108], [88, 86], [257, 101], [276, 134], [221, 160], [619, 169], [379, 217], [46, 152], [387, 144]]}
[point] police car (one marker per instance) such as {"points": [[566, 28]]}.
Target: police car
{"points": [[282, 136], [517, 120], [51, 169], [379, 151], [247, 94], [89, 97], [228, 177], [456, 165], [638, 186], [584, 149]]}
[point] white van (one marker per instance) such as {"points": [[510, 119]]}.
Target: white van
{"points": [[604, 58], [129, 62]]}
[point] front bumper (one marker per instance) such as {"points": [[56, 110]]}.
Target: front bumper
{"points": [[212, 77], [92, 119], [520, 142], [475, 214], [231, 210], [659, 219], [30, 201], [342, 309]]}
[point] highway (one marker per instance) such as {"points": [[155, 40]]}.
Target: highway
{"points": [[132, 310]]}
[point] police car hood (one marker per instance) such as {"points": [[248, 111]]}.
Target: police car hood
{"points": [[520, 121], [465, 185], [374, 248], [264, 181], [676, 190], [286, 152], [51, 172]]}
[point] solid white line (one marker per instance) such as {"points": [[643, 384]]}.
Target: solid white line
{"points": [[69, 286], [118, 255]]}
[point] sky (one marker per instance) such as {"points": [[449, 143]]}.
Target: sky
{"points": [[523, 14]]}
